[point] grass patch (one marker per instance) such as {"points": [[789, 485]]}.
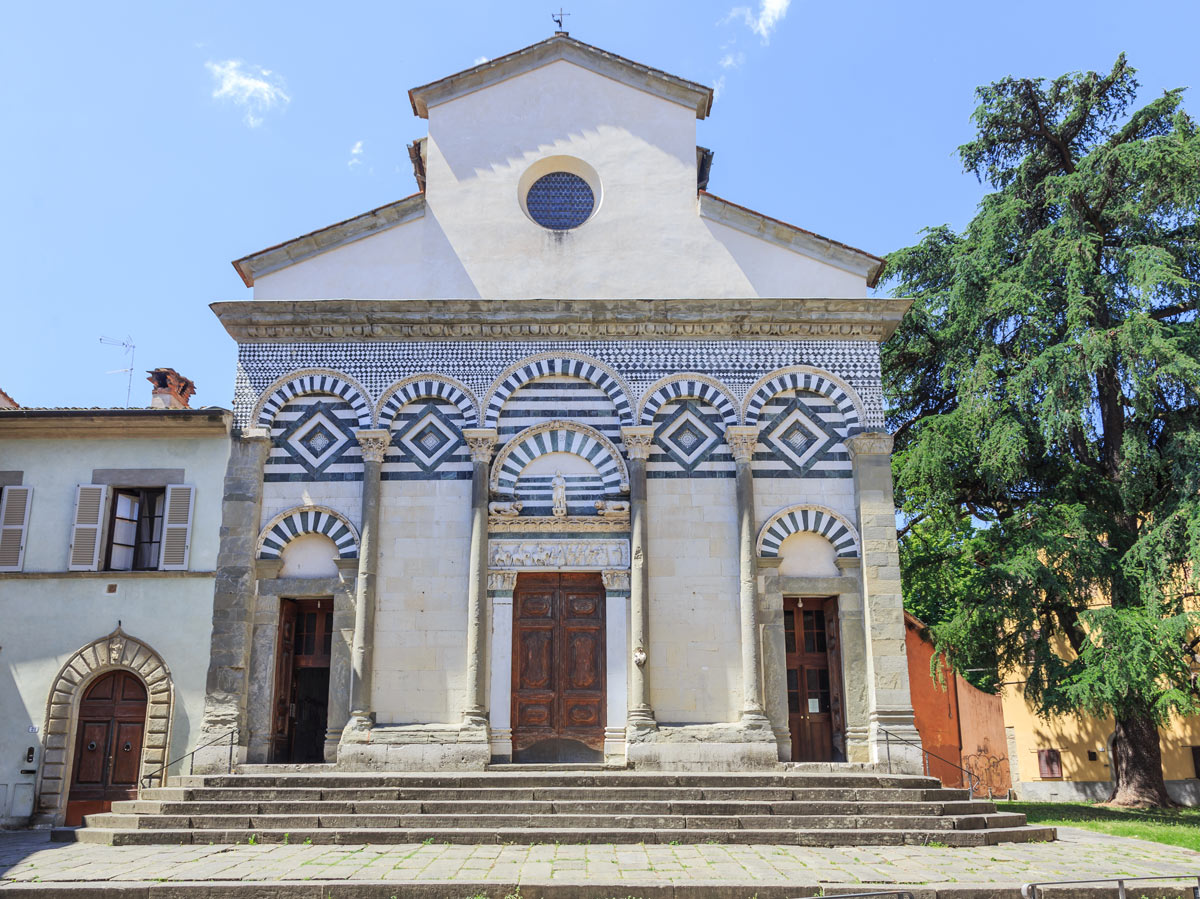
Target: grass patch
{"points": [[1174, 827]]}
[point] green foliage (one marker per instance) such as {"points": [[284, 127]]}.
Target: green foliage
{"points": [[1045, 394]]}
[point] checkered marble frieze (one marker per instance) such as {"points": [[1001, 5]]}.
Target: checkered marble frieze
{"points": [[427, 393]]}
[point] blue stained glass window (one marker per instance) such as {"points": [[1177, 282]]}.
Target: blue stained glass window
{"points": [[560, 201]]}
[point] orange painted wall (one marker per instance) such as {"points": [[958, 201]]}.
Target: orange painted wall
{"points": [[962, 725]]}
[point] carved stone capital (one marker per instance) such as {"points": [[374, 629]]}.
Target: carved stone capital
{"points": [[501, 579], [637, 441], [742, 440], [374, 443], [870, 443], [615, 579], [481, 442]]}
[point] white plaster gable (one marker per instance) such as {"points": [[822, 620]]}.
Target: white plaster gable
{"points": [[647, 238]]}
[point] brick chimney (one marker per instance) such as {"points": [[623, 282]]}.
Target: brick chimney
{"points": [[171, 389]]}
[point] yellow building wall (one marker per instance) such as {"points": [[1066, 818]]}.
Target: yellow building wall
{"points": [[1074, 736]]}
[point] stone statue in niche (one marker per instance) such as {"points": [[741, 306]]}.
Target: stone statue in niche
{"points": [[611, 507], [558, 486], [505, 510]]}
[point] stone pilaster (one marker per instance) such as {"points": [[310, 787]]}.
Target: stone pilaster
{"points": [[742, 440], [481, 442], [227, 688], [374, 445], [637, 441], [888, 698]]}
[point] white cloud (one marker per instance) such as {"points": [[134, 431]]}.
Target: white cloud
{"points": [[356, 153], [718, 88], [255, 89], [762, 23], [731, 60], [480, 60]]}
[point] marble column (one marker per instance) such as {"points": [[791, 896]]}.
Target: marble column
{"points": [[374, 445], [481, 442], [889, 701], [742, 440], [637, 441]]}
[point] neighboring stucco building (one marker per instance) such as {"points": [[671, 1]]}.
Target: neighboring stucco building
{"points": [[108, 539], [562, 457], [1065, 757]]}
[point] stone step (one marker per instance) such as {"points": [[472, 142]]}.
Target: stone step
{"points": [[532, 793], [293, 822], [804, 837], [591, 807], [573, 778]]}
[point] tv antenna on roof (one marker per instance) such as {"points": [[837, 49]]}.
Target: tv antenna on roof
{"points": [[128, 347], [558, 19]]}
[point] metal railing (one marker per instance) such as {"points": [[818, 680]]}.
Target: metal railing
{"points": [[229, 735], [973, 779], [1030, 890]]}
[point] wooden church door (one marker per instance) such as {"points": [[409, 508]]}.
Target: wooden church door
{"points": [[810, 629], [558, 692]]}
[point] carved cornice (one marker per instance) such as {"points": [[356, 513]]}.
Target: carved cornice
{"points": [[534, 524], [870, 443], [638, 441], [556, 555], [374, 443], [481, 442], [742, 440], [750, 318]]}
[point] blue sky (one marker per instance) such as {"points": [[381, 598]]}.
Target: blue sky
{"points": [[147, 144]]}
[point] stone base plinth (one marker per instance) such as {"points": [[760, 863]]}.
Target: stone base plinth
{"points": [[702, 747], [415, 747]]}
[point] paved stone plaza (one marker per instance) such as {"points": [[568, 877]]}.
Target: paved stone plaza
{"points": [[28, 863]]}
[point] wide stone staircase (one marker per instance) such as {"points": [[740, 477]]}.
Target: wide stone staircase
{"points": [[565, 806]]}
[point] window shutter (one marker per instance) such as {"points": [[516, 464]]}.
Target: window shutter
{"points": [[1049, 763], [177, 528], [14, 522], [91, 502]]}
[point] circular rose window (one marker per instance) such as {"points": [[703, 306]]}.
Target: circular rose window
{"points": [[560, 201]]}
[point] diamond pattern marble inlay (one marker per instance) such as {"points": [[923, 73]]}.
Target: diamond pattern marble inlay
{"points": [[319, 438], [686, 436], [429, 439], [799, 436]]}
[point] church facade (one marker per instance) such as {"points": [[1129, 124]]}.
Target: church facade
{"points": [[562, 458]]}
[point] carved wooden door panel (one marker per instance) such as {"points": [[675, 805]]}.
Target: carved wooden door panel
{"points": [[811, 688], [108, 747], [558, 681]]}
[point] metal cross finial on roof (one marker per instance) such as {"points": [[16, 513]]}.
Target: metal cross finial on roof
{"points": [[558, 19]]}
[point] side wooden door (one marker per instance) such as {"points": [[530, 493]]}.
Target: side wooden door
{"points": [[558, 680], [110, 730], [812, 688], [282, 712]]}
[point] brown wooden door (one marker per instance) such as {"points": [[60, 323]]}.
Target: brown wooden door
{"points": [[558, 690], [300, 710], [110, 730], [813, 680]]}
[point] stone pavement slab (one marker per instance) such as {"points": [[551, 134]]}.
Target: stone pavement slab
{"points": [[32, 866]]}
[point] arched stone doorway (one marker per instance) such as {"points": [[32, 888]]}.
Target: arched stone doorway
{"points": [[115, 652]]}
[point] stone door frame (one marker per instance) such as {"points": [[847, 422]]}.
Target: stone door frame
{"points": [[265, 646], [502, 580]]}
